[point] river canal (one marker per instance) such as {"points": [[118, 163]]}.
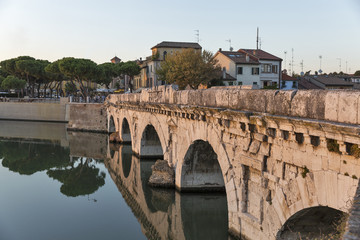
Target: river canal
{"points": [[56, 184]]}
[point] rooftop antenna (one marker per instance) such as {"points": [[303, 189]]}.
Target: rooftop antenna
{"points": [[302, 67], [346, 68], [197, 34], [339, 63], [320, 57], [257, 38], [231, 48], [292, 61], [285, 52]]}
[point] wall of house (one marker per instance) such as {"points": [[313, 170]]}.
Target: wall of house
{"points": [[229, 65], [247, 78], [274, 77]]}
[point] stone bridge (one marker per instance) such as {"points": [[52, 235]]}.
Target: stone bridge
{"points": [[288, 160]]}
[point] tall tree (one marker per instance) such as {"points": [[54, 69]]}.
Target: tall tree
{"points": [[107, 72], [357, 73], [131, 69], [11, 82], [189, 68], [81, 71]]}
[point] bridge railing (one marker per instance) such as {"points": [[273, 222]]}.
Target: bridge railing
{"points": [[331, 105]]}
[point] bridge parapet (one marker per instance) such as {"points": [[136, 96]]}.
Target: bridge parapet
{"points": [[334, 105]]}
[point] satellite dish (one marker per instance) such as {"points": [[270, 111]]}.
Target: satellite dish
{"points": [[320, 71]]}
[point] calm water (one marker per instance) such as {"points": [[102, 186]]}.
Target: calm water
{"points": [[61, 185]]}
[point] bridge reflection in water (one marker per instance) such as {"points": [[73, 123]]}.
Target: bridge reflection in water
{"points": [[166, 213]]}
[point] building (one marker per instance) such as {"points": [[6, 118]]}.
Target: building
{"points": [[270, 66], [287, 82], [328, 82], [250, 67], [148, 77], [238, 68]]}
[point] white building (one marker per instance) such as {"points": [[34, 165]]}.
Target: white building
{"points": [[270, 66], [242, 68]]}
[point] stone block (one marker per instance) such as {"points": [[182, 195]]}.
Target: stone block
{"points": [[316, 162], [222, 98], [260, 137], [331, 105], [309, 104], [320, 185], [253, 163], [348, 107], [331, 189], [324, 163], [255, 146], [264, 149], [334, 161]]}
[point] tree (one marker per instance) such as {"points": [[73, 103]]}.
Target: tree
{"points": [[131, 69], [357, 73], [189, 68], [77, 70], [107, 72], [11, 82]]}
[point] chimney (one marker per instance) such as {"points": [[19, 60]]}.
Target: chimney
{"points": [[141, 59], [220, 49], [254, 52], [247, 58]]}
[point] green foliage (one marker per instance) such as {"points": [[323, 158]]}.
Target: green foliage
{"points": [[11, 82], [354, 177], [107, 72], [70, 88], [304, 172], [357, 73], [130, 68], [155, 56], [189, 68], [333, 146], [355, 151]]}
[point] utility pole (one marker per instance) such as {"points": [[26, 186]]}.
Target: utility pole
{"points": [[257, 38], [339, 64], [346, 68], [197, 34], [320, 57], [285, 52], [292, 61], [231, 48], [302, 67]]}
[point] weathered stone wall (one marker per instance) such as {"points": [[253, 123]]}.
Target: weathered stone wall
{"points": [[353, 228], [339, 106], [49, 112], [87, 117]]}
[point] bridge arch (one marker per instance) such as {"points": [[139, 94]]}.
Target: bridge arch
{"points": [[152, 140], [111, 125], [201, 169], [125, 133], [312, 223]]}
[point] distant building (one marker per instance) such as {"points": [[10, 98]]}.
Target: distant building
{"points": [[250, 67], [115, 60], [328, 82], [148, 76], [287, 82], [238, 68], [270, 66]]}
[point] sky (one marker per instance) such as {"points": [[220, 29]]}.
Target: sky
{"points": [[99, 30]]}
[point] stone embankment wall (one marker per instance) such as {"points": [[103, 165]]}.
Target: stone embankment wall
{"points": [[80, 116], [87, 117], [47, 112], [337, 106]]}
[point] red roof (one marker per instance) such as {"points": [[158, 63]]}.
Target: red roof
{"points": [[286, 77], [239, 57], [261, 54]]}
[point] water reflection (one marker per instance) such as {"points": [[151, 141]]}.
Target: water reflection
{"points": [[164, 213], [78, 176]]}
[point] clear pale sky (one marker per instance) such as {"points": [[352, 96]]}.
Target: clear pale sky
{"points": [[53, 29]]}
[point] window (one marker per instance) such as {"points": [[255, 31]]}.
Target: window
{"points": [[266, 68], [164, 54], [274, 68], [231, 83], [254, 83], [255, 71], [239, 70], [239, 83]]}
